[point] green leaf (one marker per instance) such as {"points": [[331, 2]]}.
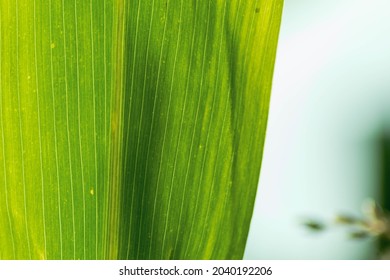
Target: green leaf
{"points": [[132, 129]]}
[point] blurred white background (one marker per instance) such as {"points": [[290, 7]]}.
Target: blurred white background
{"points": [[330, 99]]}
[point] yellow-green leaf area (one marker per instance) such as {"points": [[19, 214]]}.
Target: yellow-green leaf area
{"points": [[54, 114]]}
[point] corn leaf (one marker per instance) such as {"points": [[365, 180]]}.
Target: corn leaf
{"points": [[132, 129]]}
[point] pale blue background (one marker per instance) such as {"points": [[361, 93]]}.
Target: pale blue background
{"points": [[330, 99]]}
